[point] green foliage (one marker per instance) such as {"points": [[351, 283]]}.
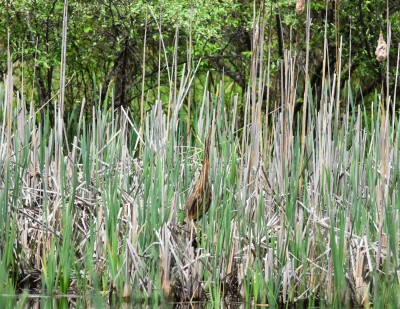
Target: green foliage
{"points": [[105, 42]]}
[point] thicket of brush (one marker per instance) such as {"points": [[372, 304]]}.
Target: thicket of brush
{"points": [[304, 208]]}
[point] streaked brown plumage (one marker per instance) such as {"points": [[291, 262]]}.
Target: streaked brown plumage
{"points": [[199, 200]]}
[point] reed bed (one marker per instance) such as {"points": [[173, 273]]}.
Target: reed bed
{"points": [[305, 207], [97, 216]]}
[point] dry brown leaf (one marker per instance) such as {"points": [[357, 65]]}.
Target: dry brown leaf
{"points": [[300, 6], [381, 49]]}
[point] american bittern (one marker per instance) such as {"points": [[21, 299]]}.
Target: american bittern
{"points": [[199, 201]]}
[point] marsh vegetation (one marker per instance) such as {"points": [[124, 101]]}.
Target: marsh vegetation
{"points": [[304, 190]]}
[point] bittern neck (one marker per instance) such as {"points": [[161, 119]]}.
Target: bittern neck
{"points": [[206, 161], [205, 169]]}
